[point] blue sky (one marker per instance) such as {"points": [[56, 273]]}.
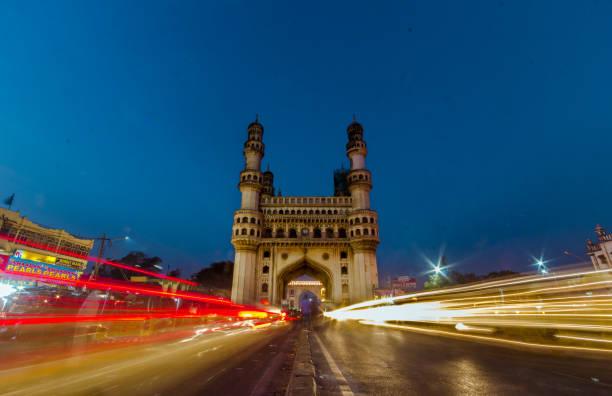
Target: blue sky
{"points": [[488, 122]]}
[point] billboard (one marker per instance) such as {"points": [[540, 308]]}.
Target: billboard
{"points": [[19, 266], [403, 283]]}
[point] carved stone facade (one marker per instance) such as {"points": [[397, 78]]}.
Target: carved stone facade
{"points": [[600, 251], [278, 239]]}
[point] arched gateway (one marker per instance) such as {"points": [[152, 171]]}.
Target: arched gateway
{"points": [[330, 239]]}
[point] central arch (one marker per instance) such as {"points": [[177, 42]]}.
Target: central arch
{"points": [[301, 268]]}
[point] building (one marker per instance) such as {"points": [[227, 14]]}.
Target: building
{"points": [[600, 251], [397, 286], [299, 290], [279, 239], [29, 248]]}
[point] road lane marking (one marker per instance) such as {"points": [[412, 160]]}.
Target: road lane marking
{"points": [[345, 389]]}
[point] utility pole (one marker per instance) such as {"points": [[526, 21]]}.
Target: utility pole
{"points": [[103, 241], [96, 268]]}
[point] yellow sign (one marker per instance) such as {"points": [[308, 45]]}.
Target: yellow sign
{"points": [[41, 258]]}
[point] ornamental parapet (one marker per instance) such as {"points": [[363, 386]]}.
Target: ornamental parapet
{"points": [[306, 201], [359, 216], [359, 177], [254, 145], [356, 146], [364, 244], [245, 243], [292, 242], [248, 216]]}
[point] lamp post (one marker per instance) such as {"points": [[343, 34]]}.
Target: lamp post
{"points": [[103, 241]]}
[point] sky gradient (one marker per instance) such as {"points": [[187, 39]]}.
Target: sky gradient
{"points": [[488, 123]]}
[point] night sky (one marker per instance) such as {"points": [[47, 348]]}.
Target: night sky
{"points": [[488, 123]]}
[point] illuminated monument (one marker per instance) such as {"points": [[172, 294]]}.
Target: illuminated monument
{"points": [[278, 239]]}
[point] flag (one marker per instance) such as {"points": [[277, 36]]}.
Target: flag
{"points": [[9, 201]]}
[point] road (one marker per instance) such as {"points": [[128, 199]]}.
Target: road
{"points": [[234, 362], [381, 361]]}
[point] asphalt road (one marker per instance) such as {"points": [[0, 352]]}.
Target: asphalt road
{"points": [[234, 362], [381, 361]]}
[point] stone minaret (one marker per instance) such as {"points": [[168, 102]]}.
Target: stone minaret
{"points": [[363, 222], [248, 220], [268, 183]]}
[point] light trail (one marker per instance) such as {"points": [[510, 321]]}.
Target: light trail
{"points": [[55, 250], [514, 311]]}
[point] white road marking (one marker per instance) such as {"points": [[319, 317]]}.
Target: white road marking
{"points": [[345, 389]]}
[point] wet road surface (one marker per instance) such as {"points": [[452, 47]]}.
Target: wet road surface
{"points": [[236, 362], [381, 361]]}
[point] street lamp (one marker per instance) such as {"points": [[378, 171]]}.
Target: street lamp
{"points": [[542, 269]]}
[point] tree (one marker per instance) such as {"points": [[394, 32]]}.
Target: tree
{"points": [[136, 260], [437, 280], [216, 276]]}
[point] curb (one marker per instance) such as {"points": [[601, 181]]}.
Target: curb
{"points": [[302, 380]]}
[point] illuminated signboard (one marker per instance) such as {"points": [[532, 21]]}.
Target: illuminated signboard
{"points": [[42, 258], [17, 265], [64, 262], [403, 283], [3, 261]]}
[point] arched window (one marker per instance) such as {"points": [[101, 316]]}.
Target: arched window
{"points": [[343, 254], [317, 233], [317, 212], [358, 232], [245, 219], [341, 233], [352, 233], [280, 211], [329, 233], [357, 221], [237, 231], [267, 233], [252, 233], [351, 221], [238, 220], [336, 212], [344, 270], [280, 233], [366, 232], [244, 231], [266, 254], [265, 269], [292, 233], [264, 287], [253, 220], [293, 212], [372, 220], [274, 211], [365, 220], [299, 212]]}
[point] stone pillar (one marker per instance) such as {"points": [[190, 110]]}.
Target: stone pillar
{"points": [[244, 281]]}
